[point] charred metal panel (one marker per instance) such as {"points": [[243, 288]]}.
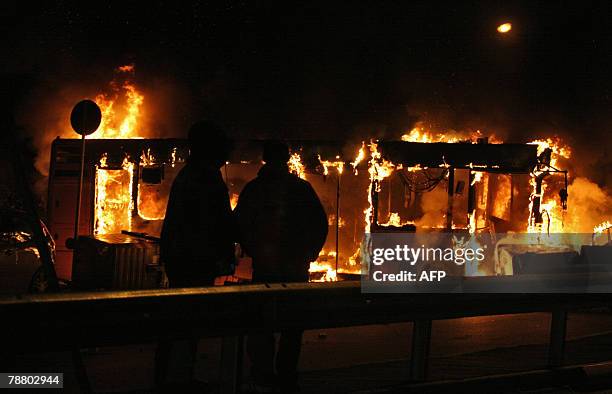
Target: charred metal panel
{"points": [[493, 157]]}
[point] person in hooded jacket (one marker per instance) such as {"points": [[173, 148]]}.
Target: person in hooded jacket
{"points": [[283, 227], [197, 240], [198, 234]]}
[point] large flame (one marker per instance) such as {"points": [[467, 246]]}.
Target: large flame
{"points": [[150, 205], [379, 169], [121, 113], [113, 197], [553, 216], [558, 147], [120, 121]]}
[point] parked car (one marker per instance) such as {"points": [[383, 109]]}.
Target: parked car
{"points": [[22, 269]]}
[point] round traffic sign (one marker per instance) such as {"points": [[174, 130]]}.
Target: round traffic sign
{"points": [[85, 117]]}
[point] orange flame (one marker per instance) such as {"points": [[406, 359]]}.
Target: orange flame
{"points": [[602, 227], [338, 165], [395, 221], [361, 154], [122, 111], [379, 169], [420, 133], [113, 197], [127, 68], [233, 200], [150, 206], [559, 149], [552, 214], [296, 166], [329, 273], [120, 124]]}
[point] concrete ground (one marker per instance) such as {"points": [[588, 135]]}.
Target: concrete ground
{"points": [[368, 359]]}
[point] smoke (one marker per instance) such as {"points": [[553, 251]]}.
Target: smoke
{"points": [[170, 106], [433, 205], [588, 206], [45, 114]]}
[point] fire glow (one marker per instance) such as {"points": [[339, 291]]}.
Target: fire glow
{"points": [[120, 122], [113, 197], [548, 208], [123, 111], [150, 206], [296, 166], [113, 186]]}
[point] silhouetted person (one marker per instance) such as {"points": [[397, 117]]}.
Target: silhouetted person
{"points": [[197, 237], [283, 228]]}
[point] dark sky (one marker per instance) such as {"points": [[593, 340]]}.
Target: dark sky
{"points": [[333, 69]]}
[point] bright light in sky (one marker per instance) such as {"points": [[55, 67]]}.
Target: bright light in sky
{"points": [[504, 27]]}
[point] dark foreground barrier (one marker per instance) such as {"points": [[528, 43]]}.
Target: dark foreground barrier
{"points": [[53, 322]]}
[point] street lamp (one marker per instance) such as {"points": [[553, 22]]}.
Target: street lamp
{"points": [[504, 28]]}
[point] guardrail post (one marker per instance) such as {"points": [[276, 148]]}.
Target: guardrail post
{"points": [[80, 371], [556, 345], [421, 340], [231, 365]]}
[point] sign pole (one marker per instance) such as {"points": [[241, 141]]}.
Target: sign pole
{"points": [[85, 119], [337, 220], [77, 214]]}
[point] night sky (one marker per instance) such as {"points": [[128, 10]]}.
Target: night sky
{"points": [[341, 71]]}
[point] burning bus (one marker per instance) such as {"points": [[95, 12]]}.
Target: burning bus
{"points": [[425, 181], [391, 186], [126, 185]]}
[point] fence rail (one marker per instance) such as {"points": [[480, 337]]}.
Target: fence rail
{"points": [[37, 323]]}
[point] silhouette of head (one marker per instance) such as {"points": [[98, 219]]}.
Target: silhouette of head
{"points": [[208, 144], [275, 153]]}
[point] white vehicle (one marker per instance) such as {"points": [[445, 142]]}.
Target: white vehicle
{"points": [[24, 267]]}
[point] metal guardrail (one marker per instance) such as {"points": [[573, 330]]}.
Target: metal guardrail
{"points": [[37, 323]]}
